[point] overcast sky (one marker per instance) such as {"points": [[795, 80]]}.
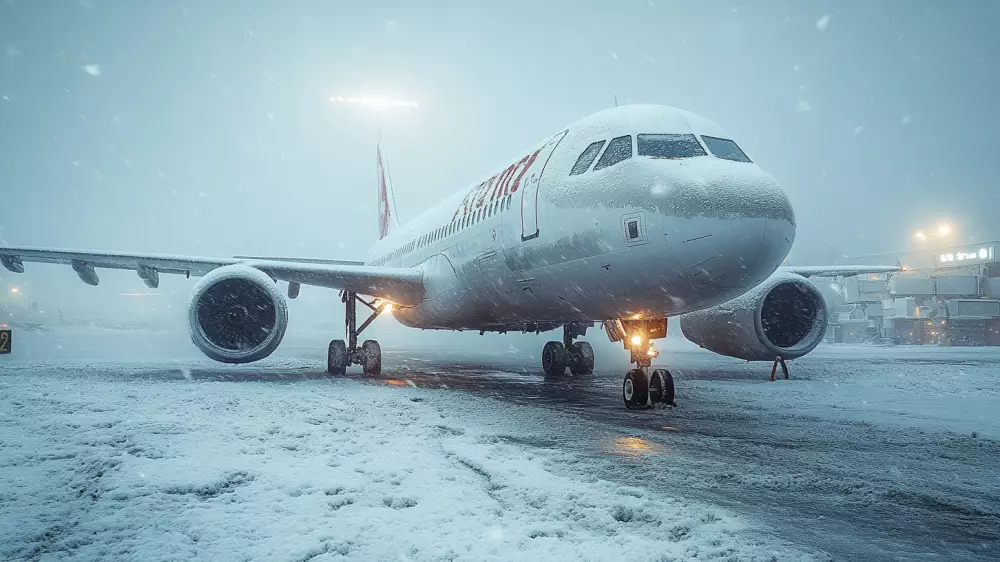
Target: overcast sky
{"points": [[206, 127]]}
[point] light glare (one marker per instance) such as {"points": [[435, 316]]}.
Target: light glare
{"points": [[375, 102]]}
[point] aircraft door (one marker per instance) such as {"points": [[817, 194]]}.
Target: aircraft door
{"points": [[529, 187]]}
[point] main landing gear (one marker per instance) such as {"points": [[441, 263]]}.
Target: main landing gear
{"points": [[340, 354], [578, 356]]}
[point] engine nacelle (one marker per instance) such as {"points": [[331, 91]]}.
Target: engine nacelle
{"points": [[783, 316], [237, 314]]}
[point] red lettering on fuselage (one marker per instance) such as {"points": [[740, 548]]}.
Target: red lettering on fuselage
{"points": [[470, 196], [504, 178], [500, 185], [524, 170]]}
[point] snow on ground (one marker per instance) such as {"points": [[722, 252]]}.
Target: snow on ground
{"points": [[927, 387], [165, 461]]}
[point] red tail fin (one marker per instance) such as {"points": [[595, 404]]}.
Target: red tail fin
{"points": [[387, 218]]}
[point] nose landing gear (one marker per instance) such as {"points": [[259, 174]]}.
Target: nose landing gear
{"points": [[643, 388], [340, 355]]}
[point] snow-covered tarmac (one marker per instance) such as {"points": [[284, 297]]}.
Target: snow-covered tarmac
{"points": [[161, 455]]}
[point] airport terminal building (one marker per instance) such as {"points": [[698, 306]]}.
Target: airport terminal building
{"points": [[947, 297]]}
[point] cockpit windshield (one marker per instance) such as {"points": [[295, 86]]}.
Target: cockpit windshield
{"points": [[670, 146], [725, 148]]}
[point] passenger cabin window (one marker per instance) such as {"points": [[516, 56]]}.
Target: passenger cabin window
{"points": [[586, 158], [725, 148], [619, 149], [669, 146]]}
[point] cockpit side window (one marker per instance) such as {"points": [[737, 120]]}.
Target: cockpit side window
{"points": [[725, 148], [619, 149], [586, 158], [670, 146]]}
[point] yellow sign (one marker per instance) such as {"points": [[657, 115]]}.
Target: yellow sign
{"points": [[4, 341]]}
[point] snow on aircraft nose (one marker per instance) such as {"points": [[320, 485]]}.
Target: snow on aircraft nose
{"points": [[727, 223]]}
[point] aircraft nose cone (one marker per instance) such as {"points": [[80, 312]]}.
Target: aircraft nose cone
{"points": [[729, 225]]}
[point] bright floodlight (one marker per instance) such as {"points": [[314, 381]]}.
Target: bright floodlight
{"points": [[920, 235], [377, 103], [944, 229], [15, 291]]}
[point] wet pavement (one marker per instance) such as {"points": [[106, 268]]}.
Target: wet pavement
{"points": [[872, 489]]}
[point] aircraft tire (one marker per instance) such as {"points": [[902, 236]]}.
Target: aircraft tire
{"points": [[371, 358], [336, 358], [581, 358], [661, 387], [555, 359], [635, 390]]}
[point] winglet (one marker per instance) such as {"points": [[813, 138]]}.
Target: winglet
{"points": [[387, 218]]}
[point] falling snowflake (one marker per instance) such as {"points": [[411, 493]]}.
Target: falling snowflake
{"points": [[858, 130], [92, 69], [390, 25], [906, 119], [614, 55], [823, 22], [803, 106]]}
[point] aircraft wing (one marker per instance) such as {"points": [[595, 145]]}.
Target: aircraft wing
{"points": [[838, 270], [401, 285]]}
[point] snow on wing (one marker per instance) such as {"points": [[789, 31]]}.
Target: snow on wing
{"points": [[401, 285], [838, 270]]}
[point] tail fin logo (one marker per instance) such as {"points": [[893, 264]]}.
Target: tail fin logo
{"points": [[384, 209]]}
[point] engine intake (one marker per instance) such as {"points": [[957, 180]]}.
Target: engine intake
{"points": [[237, 315], [785, 315]]}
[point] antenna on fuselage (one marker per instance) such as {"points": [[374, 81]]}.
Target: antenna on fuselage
{"points": [[616, 101]]}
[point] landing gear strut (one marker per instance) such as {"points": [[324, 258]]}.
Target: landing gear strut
{"points": [[340, 355], [644, 388], [578, 356]]}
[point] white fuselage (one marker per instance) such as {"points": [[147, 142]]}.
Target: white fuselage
{"points": [[534, 246]]}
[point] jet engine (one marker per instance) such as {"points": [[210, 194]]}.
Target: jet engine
{"points": [[783, 316], [237, 315]]}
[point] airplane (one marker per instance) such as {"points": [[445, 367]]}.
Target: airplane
{"points": [[627, 217]]}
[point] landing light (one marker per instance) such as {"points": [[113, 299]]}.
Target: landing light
{"points": [[636, 340], [652, 351], [387, 307]]}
